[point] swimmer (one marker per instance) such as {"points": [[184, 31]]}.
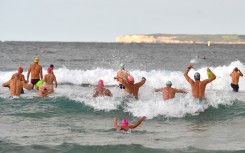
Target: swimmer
{"points": [[168, 92], [52, 66], [16, 84], [101, 90], [198, 87], [36, 72], [124, 124], [43, 91], [22, 78], [50, 80], [133, 88], [235, 75], [122, 75]]}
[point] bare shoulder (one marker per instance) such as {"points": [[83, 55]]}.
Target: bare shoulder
{"points": [[31, 65]]}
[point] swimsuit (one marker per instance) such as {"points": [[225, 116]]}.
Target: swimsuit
{"points": [[235, 87], [34, 81], [121, 86], [122, 129], [22, 90]]}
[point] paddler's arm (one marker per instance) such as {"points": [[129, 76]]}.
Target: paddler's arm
{"points": [[213, 76], [137, 123], [55, 81], [141, 83], [240, 72], [27, 86], [158, 90], [115, 124], [6, 84], [41, 73], [23, 78], [28, 73], [187, 76], [179, 91]]}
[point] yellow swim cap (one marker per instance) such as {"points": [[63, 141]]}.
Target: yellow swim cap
{"points": [[36, 59]]}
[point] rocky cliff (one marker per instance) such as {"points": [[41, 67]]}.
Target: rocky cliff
{"points": [[182, 39]]}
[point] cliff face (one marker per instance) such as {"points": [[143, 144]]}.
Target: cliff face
{"points": [[182, 39]]}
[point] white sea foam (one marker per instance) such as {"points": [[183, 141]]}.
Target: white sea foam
{"points": [[149, 104]]}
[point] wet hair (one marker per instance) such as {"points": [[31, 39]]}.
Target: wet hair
{"points": [[236, 69]]}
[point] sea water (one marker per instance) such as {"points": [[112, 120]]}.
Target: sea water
{"points": [[71, 121]]}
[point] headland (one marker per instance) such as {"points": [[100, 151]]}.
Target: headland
{"points": [[182, 38]]}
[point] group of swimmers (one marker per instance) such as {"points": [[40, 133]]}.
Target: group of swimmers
{"points": [[125, 82], [18, 81]]}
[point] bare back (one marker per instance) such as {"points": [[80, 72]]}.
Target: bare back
{"points": [[168, 93], [133, 88], [235, 77], [49, 79], [36, 71], [198, 87], [16, 85], [101, 91]]}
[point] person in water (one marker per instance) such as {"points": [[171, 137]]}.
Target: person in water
{"points": [[133, 88], [198, 87], [235, 75], [101, 90], [122, 75], [22, 78], [16, 84], [43, 91], [49, 80], [36, 72], [168, 92], [52, 66], [125, 126]]}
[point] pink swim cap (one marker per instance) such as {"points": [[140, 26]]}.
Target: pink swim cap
{"points": [[49, 70], [124, 122], [20, 69], [43, 88], [101, 83], [131, 79]]}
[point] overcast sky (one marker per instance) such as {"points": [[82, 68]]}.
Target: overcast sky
{"points": [[103, 20]]}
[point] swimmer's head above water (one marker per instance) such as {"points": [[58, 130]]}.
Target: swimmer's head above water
{"points": [[20, 69], [122, 65], [169, 83], [49, 70], [131, 79], [36, 60], [101, 83], [124, 122], [197, 76]]}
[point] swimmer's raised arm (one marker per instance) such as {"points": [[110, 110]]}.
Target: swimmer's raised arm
{"points": [[115, 124], [137, 123]]}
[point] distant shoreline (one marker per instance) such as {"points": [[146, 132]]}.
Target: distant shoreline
{"points": [[182, 39]]}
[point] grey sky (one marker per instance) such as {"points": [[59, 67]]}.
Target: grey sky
{"points": [[103, 20]]}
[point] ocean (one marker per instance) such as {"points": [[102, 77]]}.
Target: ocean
{"points": [[71, 121]]}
